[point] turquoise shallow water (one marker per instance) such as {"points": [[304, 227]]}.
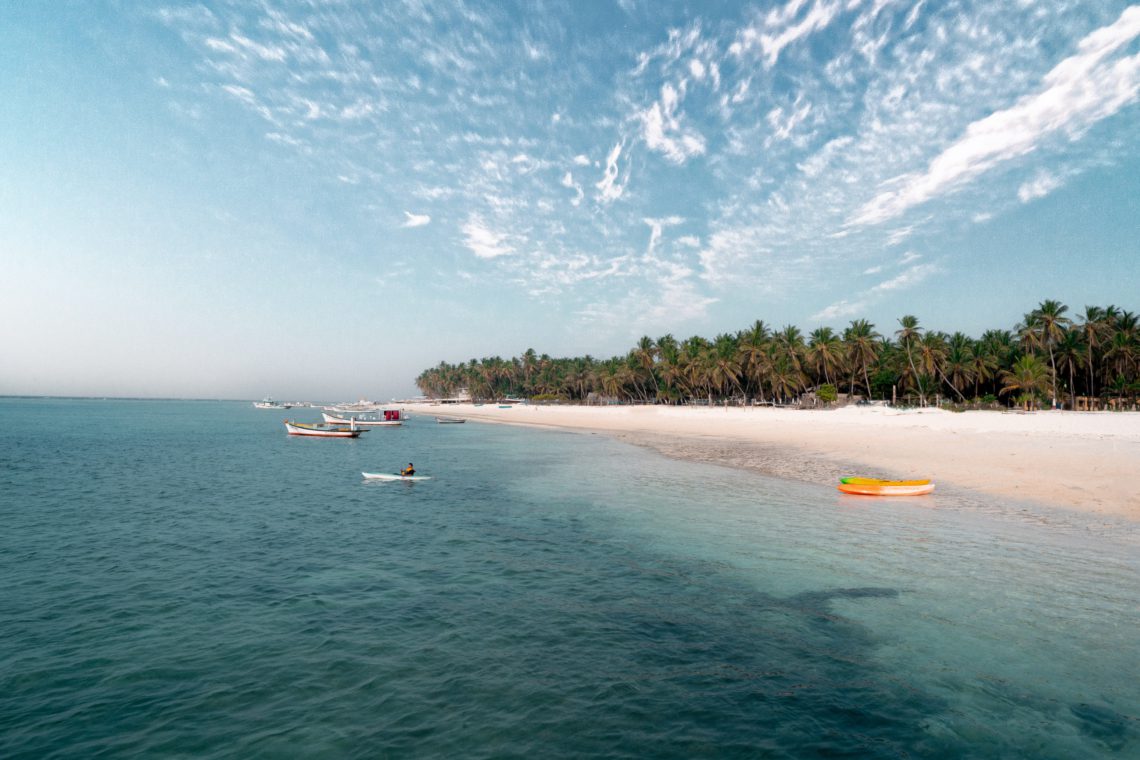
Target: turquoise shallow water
{"points": [[182, 578]]}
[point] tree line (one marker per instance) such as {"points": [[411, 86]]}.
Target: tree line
{"points": [[1048, 357]]}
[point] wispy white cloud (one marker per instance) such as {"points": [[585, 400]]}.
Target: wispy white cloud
{"points": [[908, 279], [784, 26], [1079, 91], [568, 182], [609, 188], [482, 240], [415, 220], [1041, 185], [663, 129]]}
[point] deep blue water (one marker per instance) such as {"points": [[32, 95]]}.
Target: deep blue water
{"points": [[182, 578]]}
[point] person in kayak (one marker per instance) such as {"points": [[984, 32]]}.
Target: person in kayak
{"points": [[409, 470]]}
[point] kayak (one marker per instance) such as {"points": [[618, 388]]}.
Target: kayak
{"points": [[887, 488], [877, 482], [393, 476]]}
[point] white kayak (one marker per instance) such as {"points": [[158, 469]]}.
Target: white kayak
{"points": [[392, 476]]}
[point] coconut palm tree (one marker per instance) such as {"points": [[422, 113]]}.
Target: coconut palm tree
{"points": [[862, 348], [1070, 351], [958, 365], [907, 335], [646, 354], [786, 378], [1094, 330], [1054, 323], [1029, 376], [669, 353], [789, 346], [824, 352], [753, 344], [723, 364]]}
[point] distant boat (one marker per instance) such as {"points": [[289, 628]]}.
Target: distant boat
{"points": [[322, 430], [450, 420], [268, 403], [390, 417]]}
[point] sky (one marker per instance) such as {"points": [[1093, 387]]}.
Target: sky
{"points": [[318, 200]]}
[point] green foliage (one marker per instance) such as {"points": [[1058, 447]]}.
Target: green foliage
{"points": [[1045, 356]]}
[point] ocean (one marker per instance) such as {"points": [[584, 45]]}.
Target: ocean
{"points": [[182, 578]]}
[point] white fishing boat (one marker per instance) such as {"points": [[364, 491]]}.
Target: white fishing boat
{"points": [[389, 417], [450, 420], [268, 403], [322, 430]]}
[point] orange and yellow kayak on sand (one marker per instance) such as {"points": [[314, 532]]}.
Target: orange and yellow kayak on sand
{"points": [[875, 487]]}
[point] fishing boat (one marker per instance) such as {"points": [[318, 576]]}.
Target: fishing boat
{"points": [[322, 430], [875, 487], [393, 476], [268, 403], [388, 417], [450, 420]]}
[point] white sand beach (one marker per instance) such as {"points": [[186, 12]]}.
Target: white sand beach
{"points": [[1086, 461]]}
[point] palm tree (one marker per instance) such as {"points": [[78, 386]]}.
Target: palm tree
{"points": [[958, 366], [753, 344], [1122, 353], [907, 335], [824, 352], [645, 354], [862, 347], [1029, 376], [669, 353], [1051, 321], [786, 378], [1094, 329], [932, 352], [723, 364], [789, 345], [1071, 356]]}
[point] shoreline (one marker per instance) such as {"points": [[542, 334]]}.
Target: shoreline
{"points": [[1081, 461]]}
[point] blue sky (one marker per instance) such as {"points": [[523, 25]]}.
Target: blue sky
{"points": [[319, 200]]}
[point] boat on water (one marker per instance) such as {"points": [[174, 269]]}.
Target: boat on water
{"points": [[450, 420], [268, 403], [389, 417], [393, 476], [322, 429], [875, 487]]}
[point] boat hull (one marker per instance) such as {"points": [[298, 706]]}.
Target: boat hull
{"points": [[320, 430], [359, 422], [387, 476]]}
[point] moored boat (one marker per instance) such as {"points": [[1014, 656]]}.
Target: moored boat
{"points": [[322, 430], [389, 417], [450, 420], [268, 403]]}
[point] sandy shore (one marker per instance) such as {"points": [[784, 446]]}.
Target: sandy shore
{"points": [[1083, 461]]}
